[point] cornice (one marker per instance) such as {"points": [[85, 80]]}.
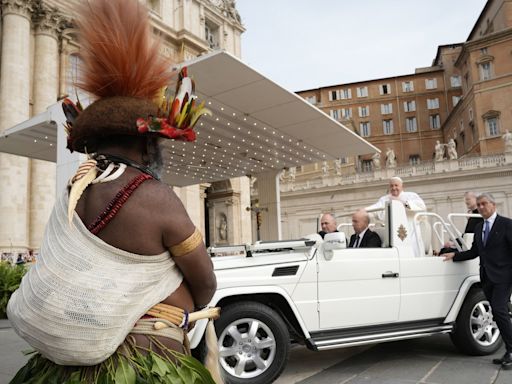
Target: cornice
{"points": [[468, 46], [464, 168]]}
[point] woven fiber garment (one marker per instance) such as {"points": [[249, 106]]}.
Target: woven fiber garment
{"points": [[82, 297]]}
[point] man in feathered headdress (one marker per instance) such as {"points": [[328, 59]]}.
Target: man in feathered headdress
{"points": [[122, 268]]}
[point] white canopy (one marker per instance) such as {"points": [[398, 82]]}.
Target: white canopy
{"points": [[256, 126]]}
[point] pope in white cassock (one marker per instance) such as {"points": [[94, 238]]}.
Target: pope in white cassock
{"points": [[411, 201]]}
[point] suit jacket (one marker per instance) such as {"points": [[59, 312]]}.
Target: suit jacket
{"points": [[369, 240], [472, 223], [496, 255]]}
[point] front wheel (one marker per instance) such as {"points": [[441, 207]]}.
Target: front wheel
{"points": [[476, 333], [253, 343]]}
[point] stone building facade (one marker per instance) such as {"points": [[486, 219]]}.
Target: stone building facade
{"points": [[38, 64], [463, 96]]}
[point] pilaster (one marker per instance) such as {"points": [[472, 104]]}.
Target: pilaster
{"points": [[47, 26]]}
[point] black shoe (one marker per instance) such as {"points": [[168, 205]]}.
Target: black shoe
{"points": [[505, 361]]}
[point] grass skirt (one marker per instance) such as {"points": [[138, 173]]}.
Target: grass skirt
{"points": [[130, 364]]}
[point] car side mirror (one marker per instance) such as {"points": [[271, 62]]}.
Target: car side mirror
{"points": [[332, 241]]}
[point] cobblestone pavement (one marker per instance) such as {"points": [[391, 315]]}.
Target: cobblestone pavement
{"points": [[429, 360]]}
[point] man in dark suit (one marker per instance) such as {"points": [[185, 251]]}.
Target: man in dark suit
{"points": [[493, 243], [363, 236], [328, 224], [470, 200]]}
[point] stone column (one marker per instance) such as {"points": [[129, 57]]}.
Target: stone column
{"points": [[243, 186], [202, 197], [14, 108], [45, 93], [270, 204], [190, 197]]}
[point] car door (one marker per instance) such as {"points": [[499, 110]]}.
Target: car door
{"points": [[358, 287]]}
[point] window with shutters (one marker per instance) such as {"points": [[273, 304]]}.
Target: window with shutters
{"points": [[364, 111], [435, 121], [409, 106], [492, 125], [345, 93], [411, 125], [364, 129], [431, 83], [485, 71], [386, 109], [385, 89], [407, 86], [433, 103], [346, 113], [362, 91], [387, 127]]}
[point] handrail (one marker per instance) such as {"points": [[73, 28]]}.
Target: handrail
{"points": [[439, 235], [446, 227], [468, 215]]}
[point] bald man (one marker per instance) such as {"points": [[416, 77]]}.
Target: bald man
{"points": [[363, 236]]}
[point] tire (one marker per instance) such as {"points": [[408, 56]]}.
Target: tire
{"points": [[254, 343], [475, 331]]}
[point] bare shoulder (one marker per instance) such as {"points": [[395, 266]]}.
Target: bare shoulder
{"points": [[169, 212], [159, 193]]}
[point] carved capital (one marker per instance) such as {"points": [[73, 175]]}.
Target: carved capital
{"points": [[49, 21], [18, 7]]}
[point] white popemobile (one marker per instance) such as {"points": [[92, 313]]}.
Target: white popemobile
{"points": [[324, 295]]}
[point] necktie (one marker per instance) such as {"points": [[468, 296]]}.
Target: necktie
{"points": [[356, 244], [486, 231]]}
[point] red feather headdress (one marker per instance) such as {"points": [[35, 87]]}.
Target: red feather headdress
{"points": [[122, 67]]}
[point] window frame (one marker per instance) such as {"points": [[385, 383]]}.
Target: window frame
{"points": [[408, 86], [362, 91], [431, 83], [386, 109], [411, 124], [410, 106], [365, 125], [364, 110], [435, 121], [387, 127]]}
